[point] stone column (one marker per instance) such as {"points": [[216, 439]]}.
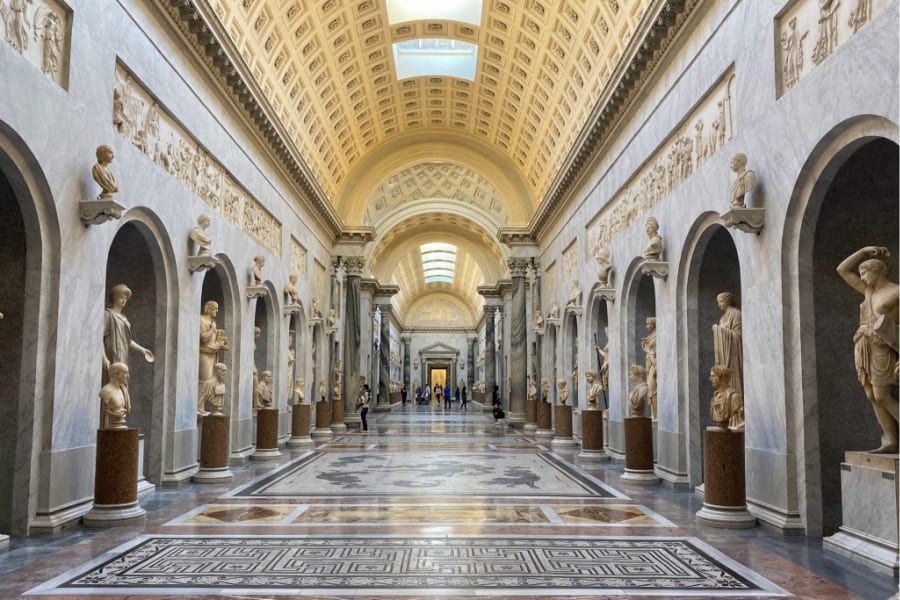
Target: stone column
{"points": [[518, 342], [352, 330], [384, 363], [338, 407], [407, 348], [472, 351], [490, 356]]}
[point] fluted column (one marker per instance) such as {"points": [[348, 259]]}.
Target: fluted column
{"points": [[353, 267], [518, 343], [384, 363], [472, 351], [490, 355], [407, 348]]}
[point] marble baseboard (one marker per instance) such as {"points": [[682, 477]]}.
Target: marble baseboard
{"points": [[240, 456], [776, 519], [865, 549], [61, 518], [144, 487], [772, 490], [671, 478], [615, 441], [671, 452], [180, 477]]}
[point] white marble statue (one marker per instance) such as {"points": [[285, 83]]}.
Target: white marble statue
{"points": [[604, 265], [264, 390], [875, 342], [257, 333], [322, 390], [727, 340], [315, 309], [792, 54], [102, 175], [332, 324], [574, 293], [654, 249], [212, 340], [291, 358], [290, 290], [648, 344], [604, 368], [117, 342], [745, 181], [562, 384], [637, 399], [212, 391], [115, 398], [539, 321], [258, 263], [727, 406], [554, 311], [545, 389], [594, 389], [532, 390], [299, 392], [200, 237]]}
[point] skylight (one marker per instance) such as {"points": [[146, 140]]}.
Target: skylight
{"points": [[438, 262], [435, 57], [467, 11]]}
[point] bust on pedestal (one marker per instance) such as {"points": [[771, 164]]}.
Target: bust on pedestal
{"points": [[563, 439], [740, 217], [203, 260], [256, 289], [215, 430], [592, 422], [266, 421], [544, 413], [531, 408], [301, 417], [323, 416], [653, 263], [638, 432], [104, 208]]}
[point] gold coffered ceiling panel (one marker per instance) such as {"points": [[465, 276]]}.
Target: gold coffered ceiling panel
{"points": [[327, 68]]}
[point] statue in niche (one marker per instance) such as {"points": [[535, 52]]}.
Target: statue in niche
{"points": [[102, 175], [117, 342], [563, 391], [212, 391], [333, 323], [257, 333], [545, 389], [574, 293], [115, 398], [539, 320], [727, 406], [16, 23], [336, 394], [745, 182], [604, 265], [554, 311], [532, 390], [291, 358], [727, 336], [595, 388], [322, 390], [212, 341], [828, 30], [290, 289], [258, 263], [49, 28], [200, 237], [648, 345], [315, 309], [264, 390], [637, 399], [604, 368], [860, 15], [654, 249], [299, 394], [875, 343]]}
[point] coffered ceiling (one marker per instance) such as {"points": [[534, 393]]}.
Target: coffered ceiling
{"points": [[327, 68]]}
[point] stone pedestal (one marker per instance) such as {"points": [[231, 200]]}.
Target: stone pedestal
{"points": [[323, 422], [4, 541], [215, 433], [639, 451], [592, 435], [96, 212], [266, 435], [395, 397], [337, 417], [300, 424], [563, 434], [544, 421], [868, 531], [724, 490], [530, 416], [115, 480]]}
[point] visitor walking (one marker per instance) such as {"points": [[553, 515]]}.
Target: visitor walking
{"points": [[447, 397], [464, 398], [362, 405], [438, 394], [427, 396], [403, 394]]}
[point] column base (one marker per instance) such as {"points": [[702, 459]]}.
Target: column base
{"points": [[381, 408], [213, 475], [266, 454], [239, 457], [544, 435], [115, 515], [642, 476], [563, 443], [864, 549], [4, 541], [338, 428], [321, 434], [593, 455], [300, 442], [530, 428], [727, 517]]}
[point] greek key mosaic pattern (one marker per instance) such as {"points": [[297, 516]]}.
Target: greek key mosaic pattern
{"points": [[614, 564]]}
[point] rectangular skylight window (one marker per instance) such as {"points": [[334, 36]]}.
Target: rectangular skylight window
{"points": [[435, 57], [466, 11], [438, 262]]}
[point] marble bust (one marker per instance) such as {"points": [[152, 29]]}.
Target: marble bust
{"points": [[102, 175], [563, 391], [332, 320], [290, 289], [574, 293], [258, 263], [117, 342], [315, 309], [545, 389], [604, 265], [875, 342], [727, 406], [654, 248], [264, 390], [594, 389], [744, 183], [648, 344], [637, 399], [212, 391], [200, 237], [554, 311], [299, 392], [115, 398]]}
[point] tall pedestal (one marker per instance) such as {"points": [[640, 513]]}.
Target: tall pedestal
{"points": [[337, 417], [266, 435], [323, 422], [639, 451], [530, 416], [868, 531], [115, 480], [724, 491], [544, 421], [563, 439], [215, 432], [300, 424], [592, 435]]}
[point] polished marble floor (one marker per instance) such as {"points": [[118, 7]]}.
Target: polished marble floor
{"points": [[430, 503]]}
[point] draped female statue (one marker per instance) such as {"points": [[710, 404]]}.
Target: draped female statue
{"points": [[727, 340], [117, 342]]}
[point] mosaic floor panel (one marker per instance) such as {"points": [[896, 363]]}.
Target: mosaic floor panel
{"points": [[429, 473], [380, 565]]}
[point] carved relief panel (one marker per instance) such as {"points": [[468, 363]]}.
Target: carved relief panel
{"points": [[41, 32], [298, 258], [320, 276]]}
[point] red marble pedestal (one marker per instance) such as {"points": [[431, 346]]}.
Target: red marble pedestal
{"points": [[530, 416], [115, 480], [266, 435], [592, 435], [639, 451], [215, 435], [563, 429], [724, 493], [323, 422], [301, 418]]}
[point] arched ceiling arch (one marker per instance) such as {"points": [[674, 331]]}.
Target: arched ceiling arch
{"points": [[327, 69], [440, 309]]}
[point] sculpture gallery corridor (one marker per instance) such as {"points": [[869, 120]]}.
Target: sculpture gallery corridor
{"points": [[450, 298]]}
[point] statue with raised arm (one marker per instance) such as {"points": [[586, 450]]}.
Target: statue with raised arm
{"points": [[117, 342], [875, 342], [604, 368], [727, 406], [727, 337], [637, 399], [115, 398], [102, 175], [648, 344], [563, 392], [212, 391]]}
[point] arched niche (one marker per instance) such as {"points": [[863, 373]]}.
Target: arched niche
{"points": [[219, 286], [552, 358], [318, 362], [297, 339], [140, 257], [640, 305], [599, 324], [846, 199], [572, 371], [265, 351], [29, 302]]}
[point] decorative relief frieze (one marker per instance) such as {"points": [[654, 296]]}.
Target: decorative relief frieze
{"points": [[320, 276], [699, 136], [152, 129], [40, 32], [809, 31], [298, 258]]}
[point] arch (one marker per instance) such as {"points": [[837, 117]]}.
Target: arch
{"points": [[408, 315], [141, 256], [552, 360], [29, 369], [819, 174], [571, 365], [265, 353], [232, 322], [596, 326], [709, 264], [639, 304]]}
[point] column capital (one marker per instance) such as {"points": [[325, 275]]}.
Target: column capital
{"points": [[518, 266], [353, 265]]}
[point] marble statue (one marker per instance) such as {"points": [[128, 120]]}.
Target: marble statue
{"points": [[594, 389], [563, 391], [117, 342], [637, 399], [264, 390], [290, 289], [604, 265], [792, 57], [49, 28], [875, 342], [115, 398], [744, 183], [648, 344], [574, 294], [539, 321], [322, 390], [727, 406], [604, 368], [828, 30], [258, 263], [337, 392], [200, 237], [654, 248], [532, 390], [299, 392], [332, 324], [257, 333], [554, 311], [212, 391], [545, 389], [291, 358], [315, 309], [211, 340], [102, 175], [727, 337]]}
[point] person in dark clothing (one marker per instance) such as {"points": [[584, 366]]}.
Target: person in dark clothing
{"points": [[403, 395], [447, 396], [464, 397], [362, 405], [495, 396]]}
